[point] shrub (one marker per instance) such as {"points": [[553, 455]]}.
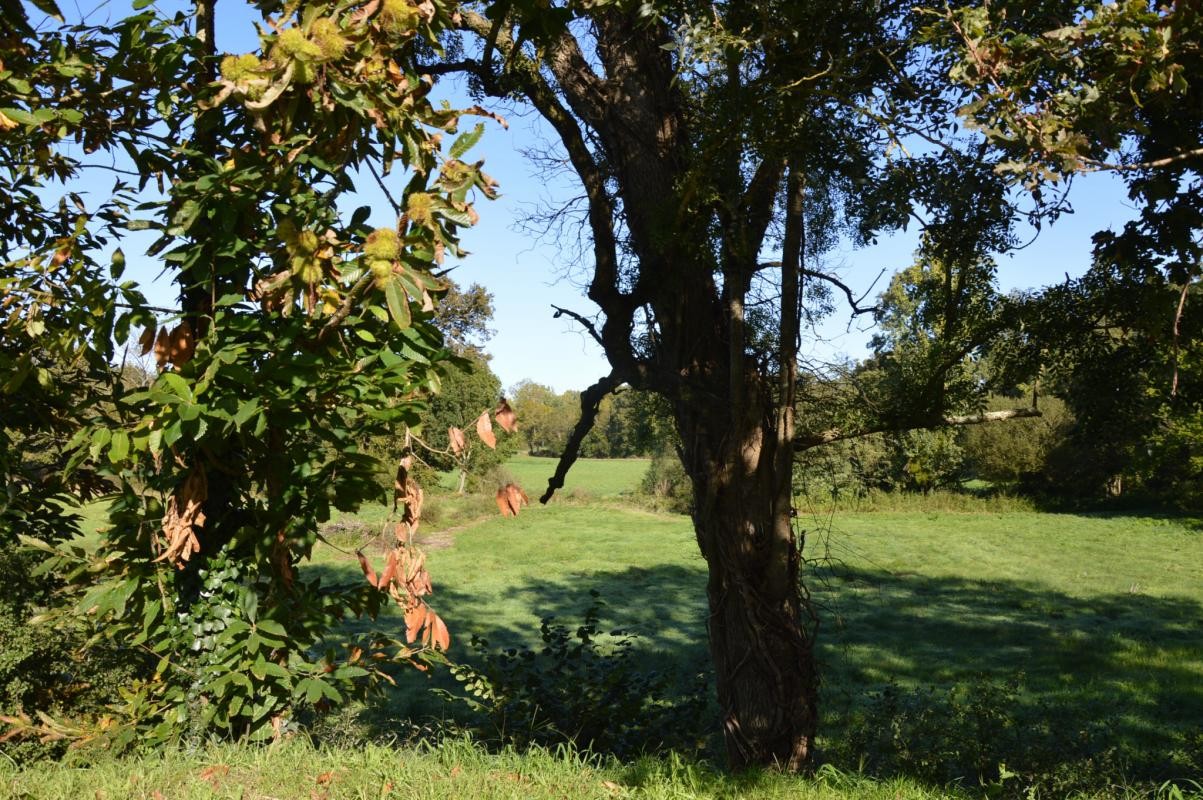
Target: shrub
{"points": [[584, 686], [667, 484], [982, 733], [50, 672]]}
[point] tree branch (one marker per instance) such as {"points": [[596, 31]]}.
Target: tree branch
{"points": [[584, 321], [853, 301], [590, 403], [807, 441]]}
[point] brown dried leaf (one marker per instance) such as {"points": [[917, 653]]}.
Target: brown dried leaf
{"points": [[401, 480], [147, 341], [368, 572], [183, 345], [162, 348], [503, 503], [440, 637], [415, 618], [185, 513], [506, 417], [390, 570], [213, 774], [456, 437], [484, 429], [518, 497]]}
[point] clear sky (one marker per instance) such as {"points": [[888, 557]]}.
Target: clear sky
{"points": [[527, 274]]}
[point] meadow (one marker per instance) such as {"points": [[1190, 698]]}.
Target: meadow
{"points": [[1072, 641]]}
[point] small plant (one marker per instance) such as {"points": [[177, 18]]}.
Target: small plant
{"points": [[584, 686], [981, 733], [667, 484]]}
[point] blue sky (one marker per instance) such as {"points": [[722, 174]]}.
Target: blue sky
{"points": [[527, 275]]}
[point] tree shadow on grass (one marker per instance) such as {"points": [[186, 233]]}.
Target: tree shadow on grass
{"points": [[1131, 661]]}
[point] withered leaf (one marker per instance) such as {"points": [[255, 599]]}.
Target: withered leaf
{"points": [[368, 572], [506, 417], [401, 480], [456, 437], [147, 340], [484, 429], [440, 637], [503, 503], [185, 513], [183, 345], [162, 348], [415, 619], [390, 570]]}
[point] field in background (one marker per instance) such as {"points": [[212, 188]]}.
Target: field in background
{"points": [[1096, 619], [589, 477]]}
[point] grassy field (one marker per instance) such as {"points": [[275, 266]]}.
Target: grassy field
{"points": [[456, 770], [589, 477], [1097, 622]]}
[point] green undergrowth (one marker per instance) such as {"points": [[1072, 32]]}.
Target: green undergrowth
{"points": [[458, 769], [453, 769]]}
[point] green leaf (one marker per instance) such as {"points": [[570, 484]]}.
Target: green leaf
{"points": [[119, 447], [271, 628], [465, 141], [398, 304]]}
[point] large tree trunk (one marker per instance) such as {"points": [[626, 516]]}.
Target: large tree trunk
{"points": [[761, 625]]}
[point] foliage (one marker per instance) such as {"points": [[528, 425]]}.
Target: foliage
{"points": [[547, 417], [666, 482], [1019, 450], [299, 334], [1063, 89], [584, 686], [1066, 88], [974, 735], [629, 423]]}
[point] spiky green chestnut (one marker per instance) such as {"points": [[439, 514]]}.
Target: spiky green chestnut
{"points": [[325, 33], [380, 269], [419, 207], [239, 68], [399, 16], [382, 244], [294, 44]]}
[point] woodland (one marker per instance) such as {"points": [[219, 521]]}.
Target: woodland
{"points": [[175, 476]]}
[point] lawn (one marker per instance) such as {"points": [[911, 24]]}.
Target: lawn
{"points": [[1097, 620], [589, 477]]}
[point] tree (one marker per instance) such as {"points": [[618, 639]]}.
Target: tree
{"points": [[547, 418], [299, 332], [468, 388], [1065, 89], [705, 136]]}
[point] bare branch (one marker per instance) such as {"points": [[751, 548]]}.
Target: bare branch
{"points": [[584, 321], [807, 441], [853, 300], [590, 403]]}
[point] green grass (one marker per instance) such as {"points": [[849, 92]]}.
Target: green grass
{"points": [[589, 477], [1101, 616], [455, 770]]}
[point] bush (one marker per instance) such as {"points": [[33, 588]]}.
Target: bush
{"points": [[984, 734], [667, 484], [584, 686], [44, 671]]}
